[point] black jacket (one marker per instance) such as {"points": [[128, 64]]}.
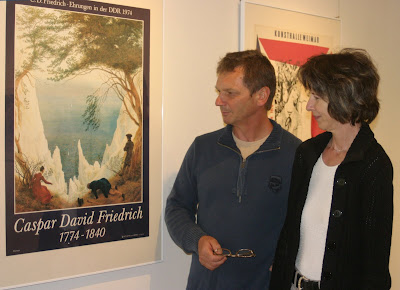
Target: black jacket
{"points": [[360, 224]]}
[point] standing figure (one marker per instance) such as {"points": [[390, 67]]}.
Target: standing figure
{"points": [[228, 203], [338, 227], [129, 151], [40, 191]]}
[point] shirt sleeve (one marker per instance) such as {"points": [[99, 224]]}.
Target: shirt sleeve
{"points": [[181, 207]]}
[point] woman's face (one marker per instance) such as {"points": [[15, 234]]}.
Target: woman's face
{"points": [[319, 108]]}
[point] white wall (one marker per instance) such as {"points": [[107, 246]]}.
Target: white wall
{"points": [[196, 35], [374, 27]]}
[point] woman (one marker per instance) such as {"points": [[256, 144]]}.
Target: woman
{"points": [[338, 227], [40, 191]]}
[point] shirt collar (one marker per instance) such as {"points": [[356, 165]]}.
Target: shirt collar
{"points": [[272, 142]]}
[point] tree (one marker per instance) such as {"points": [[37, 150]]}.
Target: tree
{"points": [[25, 173], [35, 29], [113, 46]]}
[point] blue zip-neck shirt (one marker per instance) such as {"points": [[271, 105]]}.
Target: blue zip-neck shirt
{"points": [[241, 203]]}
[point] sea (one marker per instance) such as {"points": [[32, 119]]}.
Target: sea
{"points": [[64, 127]]}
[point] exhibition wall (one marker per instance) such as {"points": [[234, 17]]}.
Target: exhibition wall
{"points": [[196, 34]]}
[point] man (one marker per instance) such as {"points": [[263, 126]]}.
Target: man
{"points": [[129, 151], [102, 186], [231, 190]]}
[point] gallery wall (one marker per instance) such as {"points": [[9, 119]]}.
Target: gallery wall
{"points": [[196, 35]]}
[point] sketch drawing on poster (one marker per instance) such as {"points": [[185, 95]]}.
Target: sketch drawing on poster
{"points": [[288, 39], [78, 100]]}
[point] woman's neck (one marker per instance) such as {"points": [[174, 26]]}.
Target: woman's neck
{"points": [[336, 149], [343, 137]]}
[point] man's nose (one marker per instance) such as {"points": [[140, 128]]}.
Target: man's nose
{"points": [[218, 101]]}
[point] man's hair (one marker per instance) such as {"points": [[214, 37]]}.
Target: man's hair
{"points": [[257, 70], [348, 80]]}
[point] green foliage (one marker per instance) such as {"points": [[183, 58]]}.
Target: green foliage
{"points": [[38, 30], [90, 116], [98, 42]]}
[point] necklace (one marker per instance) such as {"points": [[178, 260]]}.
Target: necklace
{"points": [[335, 149]]}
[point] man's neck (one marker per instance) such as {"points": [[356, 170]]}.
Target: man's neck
{"points": [[253, 131]]}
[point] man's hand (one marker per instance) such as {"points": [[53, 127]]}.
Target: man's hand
{"points": [[208, 246]]}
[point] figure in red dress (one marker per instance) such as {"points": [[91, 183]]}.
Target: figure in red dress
{"points": [[40, 191]]}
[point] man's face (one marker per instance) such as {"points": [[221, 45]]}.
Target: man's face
{"points": [[234, 99]]}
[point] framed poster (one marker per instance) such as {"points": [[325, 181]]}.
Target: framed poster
{"points": [[288, 39], [77, 131]]}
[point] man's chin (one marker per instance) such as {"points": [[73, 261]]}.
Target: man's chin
{"points": [[226, 121]]}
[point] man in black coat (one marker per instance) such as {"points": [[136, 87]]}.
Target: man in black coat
{"points": [[100, 186]]}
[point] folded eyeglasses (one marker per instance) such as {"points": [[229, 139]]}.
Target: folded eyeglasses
{"points": [[242, 253]]}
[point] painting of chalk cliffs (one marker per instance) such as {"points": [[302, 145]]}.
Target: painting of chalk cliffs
{"points": [[78, 109]]}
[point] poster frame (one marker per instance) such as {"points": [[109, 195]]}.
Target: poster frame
{"points": [[50, 265]]}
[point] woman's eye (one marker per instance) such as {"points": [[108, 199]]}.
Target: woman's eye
{"points": [[315, 96]]}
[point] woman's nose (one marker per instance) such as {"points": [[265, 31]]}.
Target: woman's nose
{"points": [[310, 105]]}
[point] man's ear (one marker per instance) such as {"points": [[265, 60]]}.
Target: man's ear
{"points": [[263, 95]]}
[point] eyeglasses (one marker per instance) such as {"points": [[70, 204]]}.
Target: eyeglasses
{"points": [[242, 253]]}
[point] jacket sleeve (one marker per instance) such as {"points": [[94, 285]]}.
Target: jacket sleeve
{"points": [[378, 221], [181, 207]]}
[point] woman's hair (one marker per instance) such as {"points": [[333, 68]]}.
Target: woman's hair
{"points": [[347, 80], [41, 168]]}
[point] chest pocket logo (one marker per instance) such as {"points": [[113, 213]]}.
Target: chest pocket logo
{"points": [[275, 183]]}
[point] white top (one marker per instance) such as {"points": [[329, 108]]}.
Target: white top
{"points": [[314, 221]]}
